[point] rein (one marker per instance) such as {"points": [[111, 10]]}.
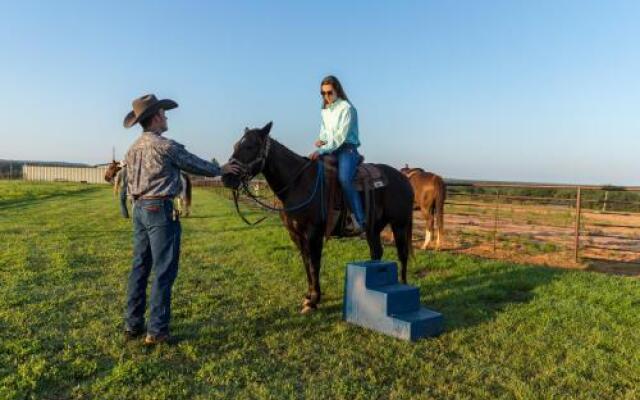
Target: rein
{"points": [[319, 184], [262, 159], [246, 221]]}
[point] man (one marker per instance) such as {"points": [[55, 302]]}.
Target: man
{"points": [[153, 170]]}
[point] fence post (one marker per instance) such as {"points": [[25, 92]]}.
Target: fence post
{"points": [[606, 197], [577, 231], [495, 220]]}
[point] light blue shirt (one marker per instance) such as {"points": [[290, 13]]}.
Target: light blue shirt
{"points": [[339, 126]]}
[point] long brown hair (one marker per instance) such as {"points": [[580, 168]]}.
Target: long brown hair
{"points": [[336, 85]]}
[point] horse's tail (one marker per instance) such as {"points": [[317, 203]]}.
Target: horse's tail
{"points": [[187, 195], [410, 250], [409, 232], [441, 196], [187, 190]]}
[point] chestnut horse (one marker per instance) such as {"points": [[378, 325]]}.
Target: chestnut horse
{"points": [[298, 183], [430, 193], [111, 173]]}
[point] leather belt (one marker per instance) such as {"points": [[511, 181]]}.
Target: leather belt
{"points": [[152, 197]]}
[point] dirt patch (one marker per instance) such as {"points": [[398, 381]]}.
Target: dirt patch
{"points": [[540, 235]]}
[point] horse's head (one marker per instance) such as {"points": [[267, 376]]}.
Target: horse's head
{"points": [[250, 154], [112, 170]]}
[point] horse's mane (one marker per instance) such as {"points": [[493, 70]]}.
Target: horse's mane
{"points": [[288, 150], [409, 172]]}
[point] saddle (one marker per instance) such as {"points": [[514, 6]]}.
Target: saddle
{"points": [[368, 179]]}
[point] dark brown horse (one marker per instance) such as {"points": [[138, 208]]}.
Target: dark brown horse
{"points": [[296, 181], [430, 193]]}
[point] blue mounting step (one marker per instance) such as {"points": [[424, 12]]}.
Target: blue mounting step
{"points": [[374, 299]]}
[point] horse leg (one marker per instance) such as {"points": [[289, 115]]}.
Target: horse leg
{"points": [[180, 206], [431, 225], [315, 245], [438, 234], [428, 219], [402, 238], [187, 208], [375, 245], [303, 247]]}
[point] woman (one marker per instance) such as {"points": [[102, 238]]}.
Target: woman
{"points": [[339, 136]]}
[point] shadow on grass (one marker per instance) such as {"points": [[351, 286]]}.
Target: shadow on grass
{"points": [[613, 267], [219, 215], [239, 228], [465, 301], [30, 200], [471, 298]]}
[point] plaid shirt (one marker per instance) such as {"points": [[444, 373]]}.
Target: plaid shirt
{"points": [[154, 163]]}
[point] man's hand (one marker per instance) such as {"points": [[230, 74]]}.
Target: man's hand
{"points": [[314, 156], [230, 168], [320, 143]]}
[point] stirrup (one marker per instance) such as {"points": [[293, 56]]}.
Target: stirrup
{"points": [[353, 228]]}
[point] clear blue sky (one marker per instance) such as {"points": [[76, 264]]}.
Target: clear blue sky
{"points": [[505, 90]]}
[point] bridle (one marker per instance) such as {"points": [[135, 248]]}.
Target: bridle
{"points": [[248, 171]]}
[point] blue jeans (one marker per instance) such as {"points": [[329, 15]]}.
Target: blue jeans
{"points": [[156, 247], [348, 159]]}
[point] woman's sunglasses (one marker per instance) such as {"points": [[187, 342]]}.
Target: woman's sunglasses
{"points": [[329, 93]]}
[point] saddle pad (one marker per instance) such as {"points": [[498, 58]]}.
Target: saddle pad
{"points": [[367, 175]]}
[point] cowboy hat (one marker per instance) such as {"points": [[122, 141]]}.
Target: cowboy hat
{"points": [[146, 106]]}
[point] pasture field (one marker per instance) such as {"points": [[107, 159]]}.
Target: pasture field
{"points": [[512, 330]]}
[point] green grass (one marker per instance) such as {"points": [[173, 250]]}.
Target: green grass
{"points": [[512, 331]]}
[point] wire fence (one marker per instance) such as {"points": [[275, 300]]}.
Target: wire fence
{"points": [[586, 223], [554, 224]]}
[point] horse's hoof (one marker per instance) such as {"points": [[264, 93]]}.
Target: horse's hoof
{"points": [[306, 302], [307, 309]]}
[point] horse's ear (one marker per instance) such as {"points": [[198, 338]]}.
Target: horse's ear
{"points": [[267, 128]]}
